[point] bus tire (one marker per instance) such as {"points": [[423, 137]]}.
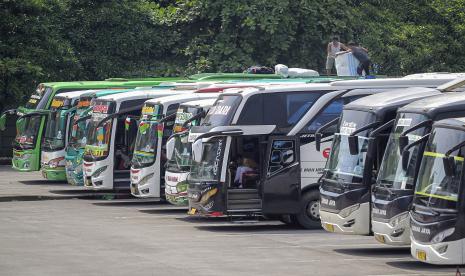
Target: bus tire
{"points": [[309, 215]]}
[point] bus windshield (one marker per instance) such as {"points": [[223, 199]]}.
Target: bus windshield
{"points": [[77, 137], [26, 135], [222, 112], [434, 188], [149, 131], [341, 164], [55, 132], [208, 169], [98, 137], [391, 174], [181, 160]]}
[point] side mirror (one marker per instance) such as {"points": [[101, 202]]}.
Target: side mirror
{"points": [[318, 137], [353, 144], [197, 147], [170, 148], [449, 165], [405, 159], [3, 122], [403, 142]]}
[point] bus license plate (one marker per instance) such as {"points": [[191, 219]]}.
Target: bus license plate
{"points": [[329, 227], [192, 211], [421, 255], [379, 238]]}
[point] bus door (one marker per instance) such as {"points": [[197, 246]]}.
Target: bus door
{"points": [[281, 185]]}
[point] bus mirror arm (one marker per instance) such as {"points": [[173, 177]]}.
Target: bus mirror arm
{"points": [[193, 118], [376, 132], [353, 138], [406, 152], [172, 136], [319, 134], [33, 114], [382, 128], [167, 118], [4, 116], [9, 112], [403, 139]]}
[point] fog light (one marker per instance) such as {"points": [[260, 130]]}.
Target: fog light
{"points": [[349, 223], [441, 248], [397, 232], [349, 210], [99, 171]]}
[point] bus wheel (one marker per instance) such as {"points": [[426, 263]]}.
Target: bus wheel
{"points": [[309, 215]]}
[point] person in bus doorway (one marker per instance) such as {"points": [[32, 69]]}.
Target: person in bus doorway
{"points": [[333, 47], [361, 54], [248, 165]]}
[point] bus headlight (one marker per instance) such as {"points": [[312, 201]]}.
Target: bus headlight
{"points": [[442, 235], [181, 187], [349, 210], [55, 162], [99, 171], [145, 179], [396, 220], [26, 156], [78, 169]]}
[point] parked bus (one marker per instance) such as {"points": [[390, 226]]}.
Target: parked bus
{"points": [[356, 152], [178, 149], [55, 139], [77, 135], [273, 125], [155, 127], [33, 117], [393, 192], [437, 217], [110, 138]]}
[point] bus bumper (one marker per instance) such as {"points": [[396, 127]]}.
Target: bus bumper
{"points": [[54, 174], [392, 235], [444, 253], [356, 223], [176, 188], [25, 160]]}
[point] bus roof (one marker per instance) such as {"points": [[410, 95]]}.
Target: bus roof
{"points": [[74, 94], [200, 103], [432, 106], [382, 102], [98, 84], [141, 94], [453, 122], [182, 98]]}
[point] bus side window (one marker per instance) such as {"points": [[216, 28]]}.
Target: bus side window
{"points": [[333, 110]]}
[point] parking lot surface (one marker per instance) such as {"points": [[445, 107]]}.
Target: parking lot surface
{"points": [[50, 228]]}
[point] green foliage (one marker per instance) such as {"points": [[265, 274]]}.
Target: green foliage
{"points": [[52, 40]]}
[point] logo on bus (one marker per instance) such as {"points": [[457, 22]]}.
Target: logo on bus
{"points": [[326, 152]]}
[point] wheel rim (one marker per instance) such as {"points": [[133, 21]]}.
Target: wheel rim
{"points": [[313, 210]]}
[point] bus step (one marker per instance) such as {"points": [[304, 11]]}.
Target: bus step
{"points": [[244, 204], [243, 194], [121, 183]]}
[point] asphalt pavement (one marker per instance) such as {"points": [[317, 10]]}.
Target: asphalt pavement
{"points": [[52, 228]]}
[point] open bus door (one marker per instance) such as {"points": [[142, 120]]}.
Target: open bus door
{"points": [[281, 186]]}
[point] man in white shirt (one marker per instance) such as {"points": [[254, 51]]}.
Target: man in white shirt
{"points": [[333, 47]]}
